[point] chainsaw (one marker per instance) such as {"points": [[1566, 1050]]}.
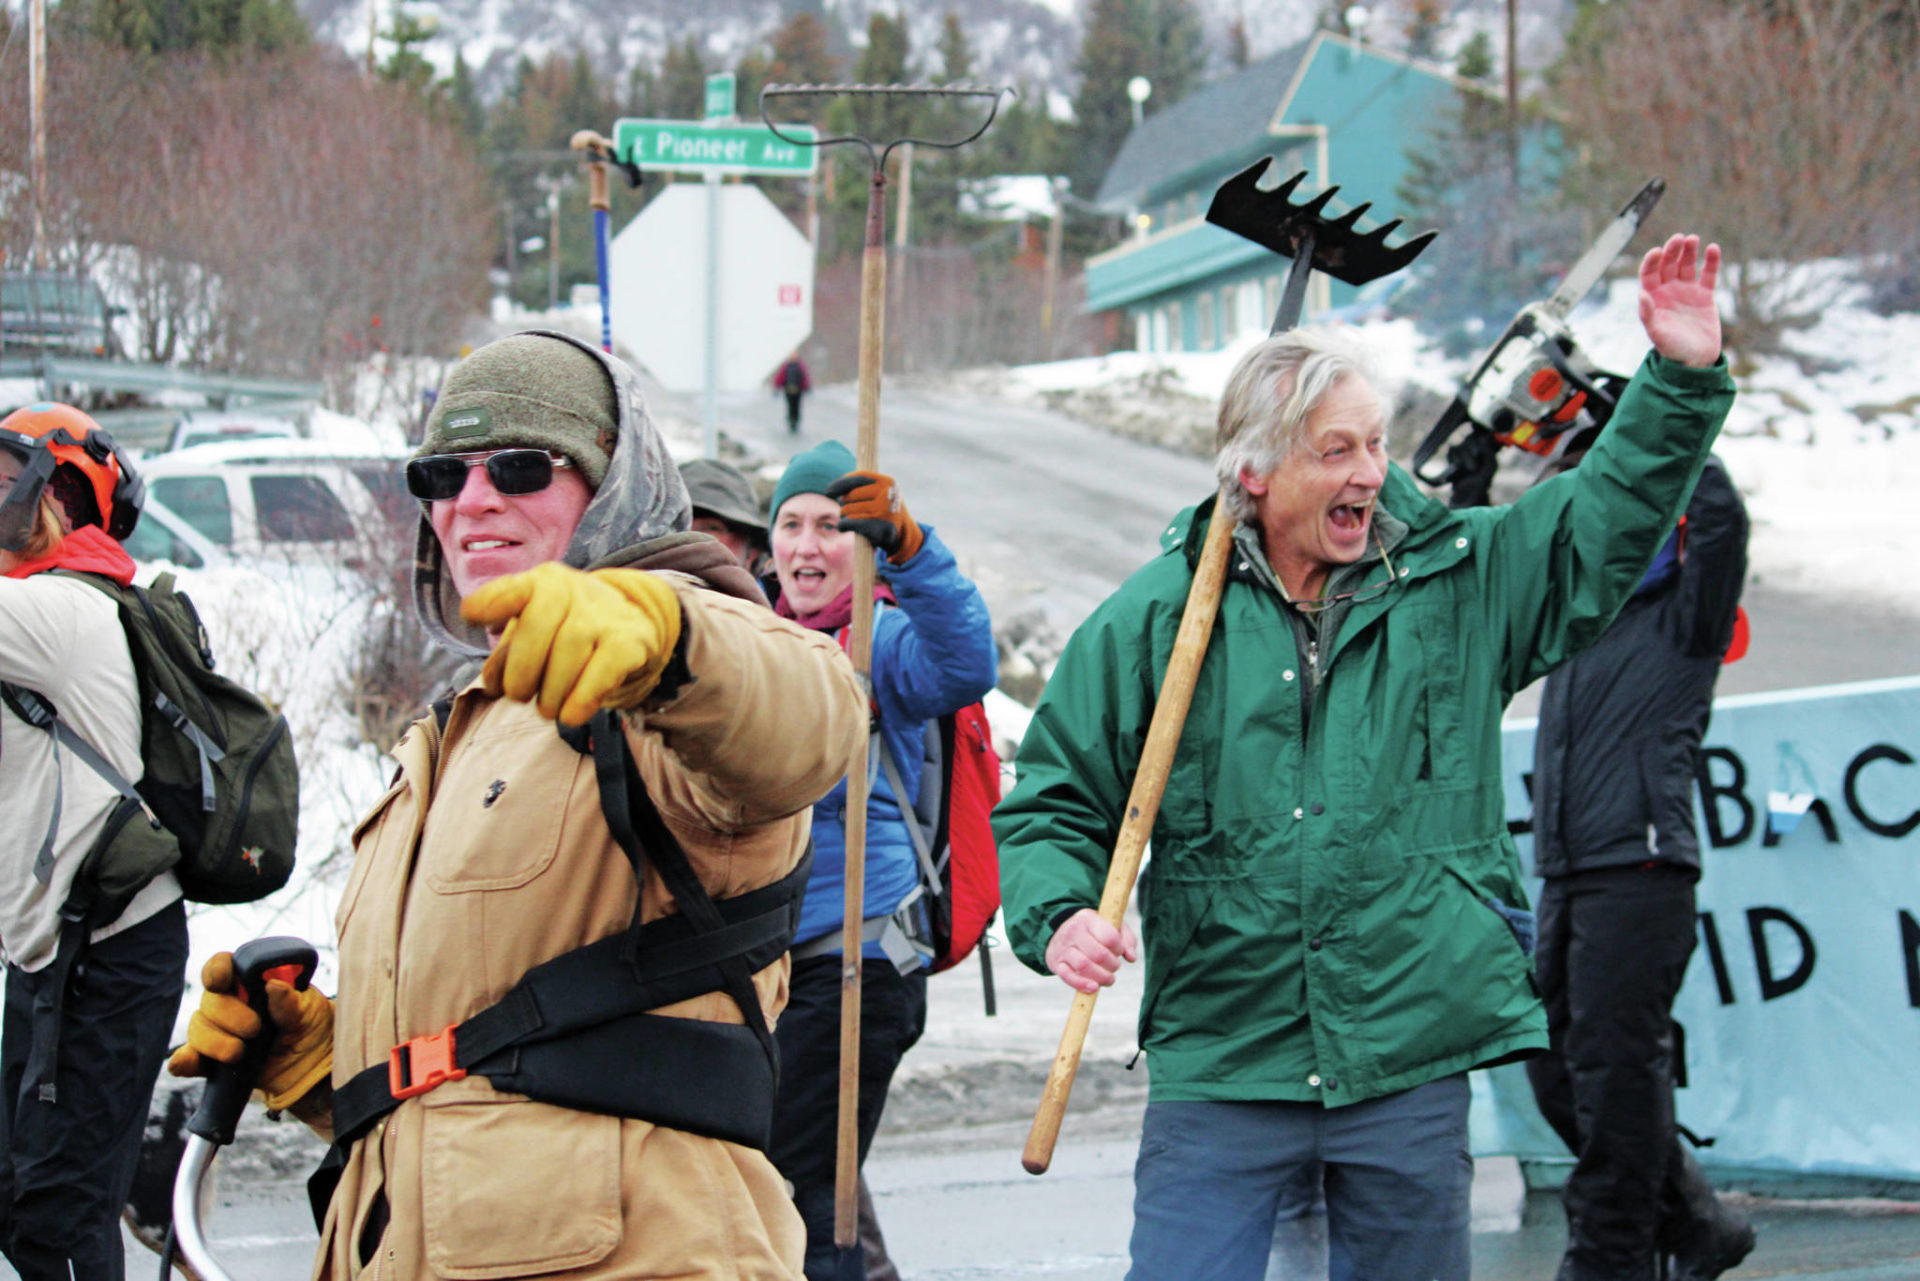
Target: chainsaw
{"points": [[1534, 383]]}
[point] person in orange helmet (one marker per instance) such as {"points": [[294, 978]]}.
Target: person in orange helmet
{"points": [[93, 986]]}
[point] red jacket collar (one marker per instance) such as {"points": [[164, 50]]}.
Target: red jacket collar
{"points": [[86, 550]]}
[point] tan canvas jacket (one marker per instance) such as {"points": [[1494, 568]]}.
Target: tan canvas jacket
{"points": [[489, 856]]}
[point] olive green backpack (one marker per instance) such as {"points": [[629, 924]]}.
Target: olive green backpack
{"points": [[218, 802]]}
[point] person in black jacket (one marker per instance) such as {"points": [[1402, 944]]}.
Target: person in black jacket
{"points": [[1614, 773]]}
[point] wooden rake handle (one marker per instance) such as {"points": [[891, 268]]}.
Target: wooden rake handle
{"points": [[1143, 803]]}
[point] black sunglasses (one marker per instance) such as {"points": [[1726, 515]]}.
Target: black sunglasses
{"points": [[514, 472]]}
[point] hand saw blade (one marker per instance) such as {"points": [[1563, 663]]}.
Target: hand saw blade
{"points": [[1593, 264]]}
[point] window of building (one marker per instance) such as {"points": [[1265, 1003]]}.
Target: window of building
{"points": [[1203, 322], [1176, 335]]}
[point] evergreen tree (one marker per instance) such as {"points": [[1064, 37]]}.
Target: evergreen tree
{"points": [[1112, 53], [683, 82], [406, 66], [1176, 48], [1498, 230], [802, 53], [463, 100], [173, 26], [1425, 19], [1239, 53], [956, 54]]}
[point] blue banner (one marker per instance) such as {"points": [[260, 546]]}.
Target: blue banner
{"points": [[1800, 1015]]}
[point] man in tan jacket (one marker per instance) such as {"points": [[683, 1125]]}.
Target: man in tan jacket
{"points": [[505, 1100]]}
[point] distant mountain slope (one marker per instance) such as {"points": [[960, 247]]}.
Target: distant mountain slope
{"points": [[1014, 41]]}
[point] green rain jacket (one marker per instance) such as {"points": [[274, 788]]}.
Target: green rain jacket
{"points": [[1323, 903]]}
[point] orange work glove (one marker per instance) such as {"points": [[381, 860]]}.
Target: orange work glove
{"points": [[870, 506], [302, 1054]]}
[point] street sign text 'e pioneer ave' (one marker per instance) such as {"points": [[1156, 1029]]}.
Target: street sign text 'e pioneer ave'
{"points": [[690, 147]]}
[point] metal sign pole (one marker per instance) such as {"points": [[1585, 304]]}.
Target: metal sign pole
{"points": [[709, 405]]}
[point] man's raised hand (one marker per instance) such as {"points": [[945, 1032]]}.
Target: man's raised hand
{"points": [[1676, 300]]}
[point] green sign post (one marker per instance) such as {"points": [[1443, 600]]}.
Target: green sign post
{"points": [[690, 147], [720, 96]]}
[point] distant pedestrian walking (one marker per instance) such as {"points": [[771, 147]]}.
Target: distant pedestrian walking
{"points": [[791, 380]]}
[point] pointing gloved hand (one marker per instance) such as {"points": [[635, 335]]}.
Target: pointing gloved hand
{"points": [[302, 1053], [577, 641], [870, 506]]}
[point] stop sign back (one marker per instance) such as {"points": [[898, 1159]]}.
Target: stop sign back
{"points": [[658, 281]]}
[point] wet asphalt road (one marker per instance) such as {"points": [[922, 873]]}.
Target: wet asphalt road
{"points": [[1049, 514]]}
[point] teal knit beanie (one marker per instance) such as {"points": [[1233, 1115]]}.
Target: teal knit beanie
{"points": [[811, 473]]}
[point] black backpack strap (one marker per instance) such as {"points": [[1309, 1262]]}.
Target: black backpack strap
{"points": [[49, 1008], [38, 711], [574, 1030], [636, 825]]}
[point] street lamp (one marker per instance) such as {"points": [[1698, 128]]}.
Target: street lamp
{"points": [[1139, 89]]}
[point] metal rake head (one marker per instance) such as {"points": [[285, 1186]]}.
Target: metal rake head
{"points": [[1339, 247], [877, 148]]}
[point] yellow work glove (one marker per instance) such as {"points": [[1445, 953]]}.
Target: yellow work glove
{"points": [[577, 641], [302, 1053]]}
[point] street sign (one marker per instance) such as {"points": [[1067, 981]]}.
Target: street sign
{"points": [[720, 96], [659, 287], [691, 147]]}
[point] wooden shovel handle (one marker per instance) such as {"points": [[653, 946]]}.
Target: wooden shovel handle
{"points": [[1143, 803]]}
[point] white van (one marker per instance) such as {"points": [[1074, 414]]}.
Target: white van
{"points": [[291, 500]]}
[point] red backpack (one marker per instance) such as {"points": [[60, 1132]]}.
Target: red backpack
{"points": [[952, 837], [959, 864]]}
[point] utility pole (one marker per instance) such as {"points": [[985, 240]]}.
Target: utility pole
{"points": [[1513, 93], [1053, 263], [901, 216], [553, 247], [37, 91], [373, 31]]}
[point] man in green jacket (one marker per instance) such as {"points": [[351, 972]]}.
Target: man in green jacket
{"points": [[1335, 924]]}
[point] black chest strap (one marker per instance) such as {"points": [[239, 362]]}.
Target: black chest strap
{"points": [[574, 1032]]}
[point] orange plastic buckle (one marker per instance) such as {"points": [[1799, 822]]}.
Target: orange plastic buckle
{"points": [[418, 1065]]}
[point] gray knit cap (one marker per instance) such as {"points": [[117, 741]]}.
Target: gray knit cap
{"points": [[527, 391]]}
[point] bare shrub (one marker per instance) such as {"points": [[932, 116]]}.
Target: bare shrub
{"points": [[281, 216], [1787, 128]]}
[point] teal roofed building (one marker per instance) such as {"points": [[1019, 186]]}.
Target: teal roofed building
{"points": [[1344, 111]]}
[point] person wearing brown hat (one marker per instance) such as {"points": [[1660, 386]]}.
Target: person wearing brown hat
{"points": [[724, 506], [544, 1054]]}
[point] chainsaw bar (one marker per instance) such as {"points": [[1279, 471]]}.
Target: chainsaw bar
{"points": [[1593, 264]]}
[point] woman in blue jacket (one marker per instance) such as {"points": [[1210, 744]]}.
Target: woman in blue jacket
{"points": [[933, 653]]}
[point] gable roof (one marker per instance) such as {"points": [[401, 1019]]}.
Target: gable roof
{"points": [[1221, 117]]}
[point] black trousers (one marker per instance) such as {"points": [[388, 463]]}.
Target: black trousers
{"points": [[806, 1117], [68, 1165], [793, 410], [1613, 949]]}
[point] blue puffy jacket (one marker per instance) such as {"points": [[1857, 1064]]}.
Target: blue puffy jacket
{"points": [[933, 653]]}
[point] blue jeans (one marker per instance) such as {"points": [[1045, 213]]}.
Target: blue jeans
{"points": [[1212, 1177]]}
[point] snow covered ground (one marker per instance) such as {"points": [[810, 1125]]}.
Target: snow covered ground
{"points": [[1824, 444]]}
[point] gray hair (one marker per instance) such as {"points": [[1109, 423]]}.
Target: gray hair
{"points": [[1276, 385]]}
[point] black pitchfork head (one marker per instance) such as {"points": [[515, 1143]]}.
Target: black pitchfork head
{"points": [[1305, 235]]}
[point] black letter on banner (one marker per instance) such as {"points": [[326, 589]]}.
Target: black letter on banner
{"points": [[1711, 792], [1910, 946], [1771, 987], [1820, 810], [1722, 980], [1878, 752]]}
